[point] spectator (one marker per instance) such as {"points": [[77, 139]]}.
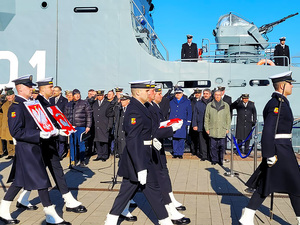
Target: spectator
{"points": [[103, 125], [89, 144], [282, 50], [217, 124], [69, 95], [35, 93], [119, 91], [198, 125], [79, 114], [181, 108], [189, 50], [246, 119]]}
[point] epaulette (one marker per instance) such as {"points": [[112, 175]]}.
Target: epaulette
{"points": [[15, 102]]}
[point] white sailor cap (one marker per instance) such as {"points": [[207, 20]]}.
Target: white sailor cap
{"points": [[189, 36], [282, 38], [158, 88], [285, 76], [124, 96], [152, 83], [140, 84], [46, 81], [25, 80]]}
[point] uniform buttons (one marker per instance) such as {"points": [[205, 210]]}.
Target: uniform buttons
{"points": [[97, 121]]}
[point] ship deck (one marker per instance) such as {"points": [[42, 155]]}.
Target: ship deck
{"points": [[210, 197]]}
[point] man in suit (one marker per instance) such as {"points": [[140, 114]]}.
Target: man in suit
{"points": [[28, 156], [189, 50], [103, 125], [136, 166], [246, 119], [279, 169], [61, 102], [282, 50]]}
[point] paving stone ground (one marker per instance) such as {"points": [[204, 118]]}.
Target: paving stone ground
{"points": [[210, 197]]}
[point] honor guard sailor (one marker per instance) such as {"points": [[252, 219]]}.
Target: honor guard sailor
{"points": [[279, 169], [28, 155], [136, 166]]}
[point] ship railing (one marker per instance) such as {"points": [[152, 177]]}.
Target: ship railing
{"points": [[145, 32]]}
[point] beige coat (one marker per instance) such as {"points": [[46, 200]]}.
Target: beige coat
{"points": [[5, 134]]}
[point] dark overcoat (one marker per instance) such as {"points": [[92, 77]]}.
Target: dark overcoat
{"points": [[137, 126], [28, 169], [119, 133], [189, 52], [246, 118], [280, 51], [284, 176], [181, 110], [198, 115], [103, 123]]}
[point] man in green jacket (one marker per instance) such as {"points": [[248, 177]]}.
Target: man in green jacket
{"points": [[217, 124]]}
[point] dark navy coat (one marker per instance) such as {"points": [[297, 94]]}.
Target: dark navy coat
{"points": [[61, 103], [137, 126], [28, 169], [158, 157], [284, 176], [181, 110], [198, 115], [246, 118], [280, 51], [189, 52]]}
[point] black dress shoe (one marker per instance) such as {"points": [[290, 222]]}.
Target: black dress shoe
{"points": [[174, 156], [97, 159], [131, 218], [181, 208], [62, 223], [31, 207], [180, 157], [183, 220], [213, 163], [9, 157], [13, 221], [78, 209]]}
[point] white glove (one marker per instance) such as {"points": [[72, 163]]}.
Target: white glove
{"points": [[62, 133], [45, 135], [272, 160], [177, 126], [142, 177], [157, 144], [55, 132], [14, 141]]}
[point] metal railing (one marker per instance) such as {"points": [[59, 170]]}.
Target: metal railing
{"points": [[146, 33]]}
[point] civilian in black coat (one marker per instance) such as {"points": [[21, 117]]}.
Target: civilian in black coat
{"points": [[282, 50], [246, 119], [189, 50]]}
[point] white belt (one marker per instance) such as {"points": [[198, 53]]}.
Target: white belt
{"points": [[148, 142], [281, 136]]}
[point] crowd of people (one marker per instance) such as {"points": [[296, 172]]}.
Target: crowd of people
{"points": [[130, 127]]}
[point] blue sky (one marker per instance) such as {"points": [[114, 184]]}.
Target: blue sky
{"points": [[173, 19]]}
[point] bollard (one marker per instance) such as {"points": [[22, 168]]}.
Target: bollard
{"points": [[231, 173]]}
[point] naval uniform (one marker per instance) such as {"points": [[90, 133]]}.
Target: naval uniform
{"points": [[189, 52], [50, 152], [28, 170], [282, 50], [137, 156], [284, 175]]}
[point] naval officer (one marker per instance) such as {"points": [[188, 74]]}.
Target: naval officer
{"points": [[189, 50], [282, 51], [136, 166], [279, 169], [28, 169]]}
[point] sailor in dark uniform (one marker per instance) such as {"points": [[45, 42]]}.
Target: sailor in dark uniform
{"points": [[136, 166], [189, 50], [282, 50], [279, 170], [28, 169]]}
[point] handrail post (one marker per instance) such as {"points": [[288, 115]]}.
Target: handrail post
{"points": [[231, 173], [255, 145]]}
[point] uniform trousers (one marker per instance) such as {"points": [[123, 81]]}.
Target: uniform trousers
{"points": [[151, 190], [194, 142], [52, 161], [102, 149], [13, 191], [1, 148], [74, 141], [10, 147], [164, 182], [178, 146], [217, 150], [256, 201], [204, 152]]}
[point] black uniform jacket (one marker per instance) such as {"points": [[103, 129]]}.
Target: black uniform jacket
{"points": [[119, 133], [28, 169], [189, 52], [284, 176], [61, 103], [137, 155], [280, 51], [246, 118], [158, 157], [103, 123]]}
